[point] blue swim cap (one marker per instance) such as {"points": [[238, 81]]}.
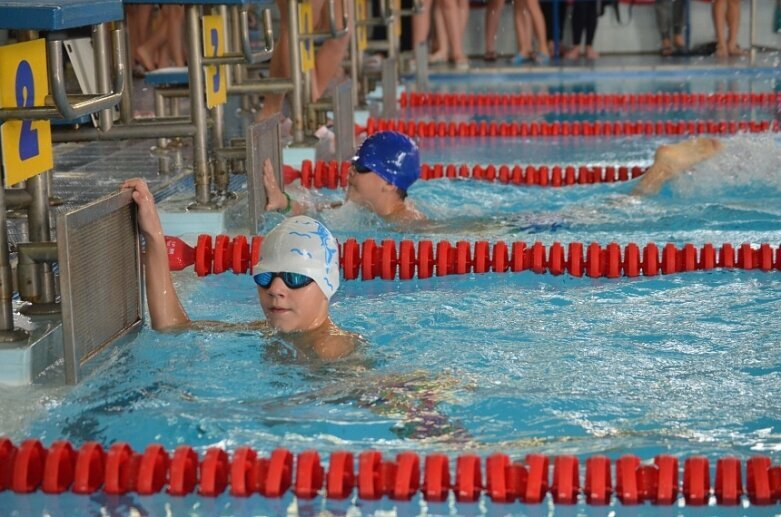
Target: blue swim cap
{"points": [[392, 156]]}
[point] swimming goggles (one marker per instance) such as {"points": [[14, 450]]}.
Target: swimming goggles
{"points": [[360, 169], [291, 280]]}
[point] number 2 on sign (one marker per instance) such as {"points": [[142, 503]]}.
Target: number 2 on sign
{"points": [[214, 46], [26, 144], [25, 98]]}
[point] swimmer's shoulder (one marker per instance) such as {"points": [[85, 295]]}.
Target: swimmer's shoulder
{"points": [[337, 345]]}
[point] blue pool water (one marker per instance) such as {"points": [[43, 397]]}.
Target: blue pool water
{"points": [[519, 363]]}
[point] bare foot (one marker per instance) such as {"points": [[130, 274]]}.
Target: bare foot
{"points": [[736, 51], [573, 53], [142, 56], [721, 52], [591, 53], [437, 57]]}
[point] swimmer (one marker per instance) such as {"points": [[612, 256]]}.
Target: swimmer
{"points": [[383, 169], [673, 159], [296, 277]]}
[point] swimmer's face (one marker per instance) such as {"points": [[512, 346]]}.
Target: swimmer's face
{"points": [[367, 189], [293, 310]]}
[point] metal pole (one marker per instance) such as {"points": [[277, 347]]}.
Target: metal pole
{"points": [[197, 107], [296, 101], [39, 230], [8, 333], [556, 28], [218, 131], [162, 143], [354, 60], [753, 33], [103, 71], [126, 102]]}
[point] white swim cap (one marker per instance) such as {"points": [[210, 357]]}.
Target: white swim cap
{"points": [[302, 245]]}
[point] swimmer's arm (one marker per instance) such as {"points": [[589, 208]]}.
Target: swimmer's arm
{"points": [[652, 180], [165, 309], [224, 326], [277, 201], [671, 160]]}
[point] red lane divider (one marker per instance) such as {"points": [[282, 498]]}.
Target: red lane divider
{"points": [[589, 100], [332, 175], [406, 259], [440, 128], [59, 468]]}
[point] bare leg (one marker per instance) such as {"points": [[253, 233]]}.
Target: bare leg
{"points": [[280, 65], [441, 47], [733, 24], [175, 17], [450, 11], [463, 12], [538, 22], [671, 160], [523, 28], [493, 10], [329, 57], [719, 11], [146, 52], [421, 24]]}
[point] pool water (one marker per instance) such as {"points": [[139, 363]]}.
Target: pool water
{"points": [[519, 363]]}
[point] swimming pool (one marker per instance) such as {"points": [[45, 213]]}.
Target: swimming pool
{"points": [[521, 363]]}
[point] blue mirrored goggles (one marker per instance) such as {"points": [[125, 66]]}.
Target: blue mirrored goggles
{"points": [[291, 280]]}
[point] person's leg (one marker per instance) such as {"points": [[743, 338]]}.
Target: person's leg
{"points": [[442, 48], [331, 54], [280, 65], [733, 24], [590, 19], [671, 160], [421, 24], [547, 14], [578, 27], [719, 11], [450, 12], [175, 17], [678, 19], [662, 9], [493, 12], [538, 22], [146, 53], [463, 15], [523, 38]]}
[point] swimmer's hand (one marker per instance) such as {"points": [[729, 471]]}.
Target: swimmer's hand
{"points": [[148, 219], [277, 200]]}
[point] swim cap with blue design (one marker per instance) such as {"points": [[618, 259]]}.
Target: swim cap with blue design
{"points": [[302, 245], [392, 156]]}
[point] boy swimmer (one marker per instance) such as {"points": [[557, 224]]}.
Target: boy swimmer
{"points": [[385, 166], [296, 277]]}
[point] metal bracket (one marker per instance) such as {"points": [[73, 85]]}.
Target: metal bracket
{"points": [[84, 105]]}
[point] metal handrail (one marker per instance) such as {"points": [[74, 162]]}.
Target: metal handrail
{"points": [[62, 101], [247, 55], [333, 32]]}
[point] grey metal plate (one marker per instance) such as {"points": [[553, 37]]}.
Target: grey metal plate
{"points": [[390, 80], [100, 278], [264, 140], [344, 118]]}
